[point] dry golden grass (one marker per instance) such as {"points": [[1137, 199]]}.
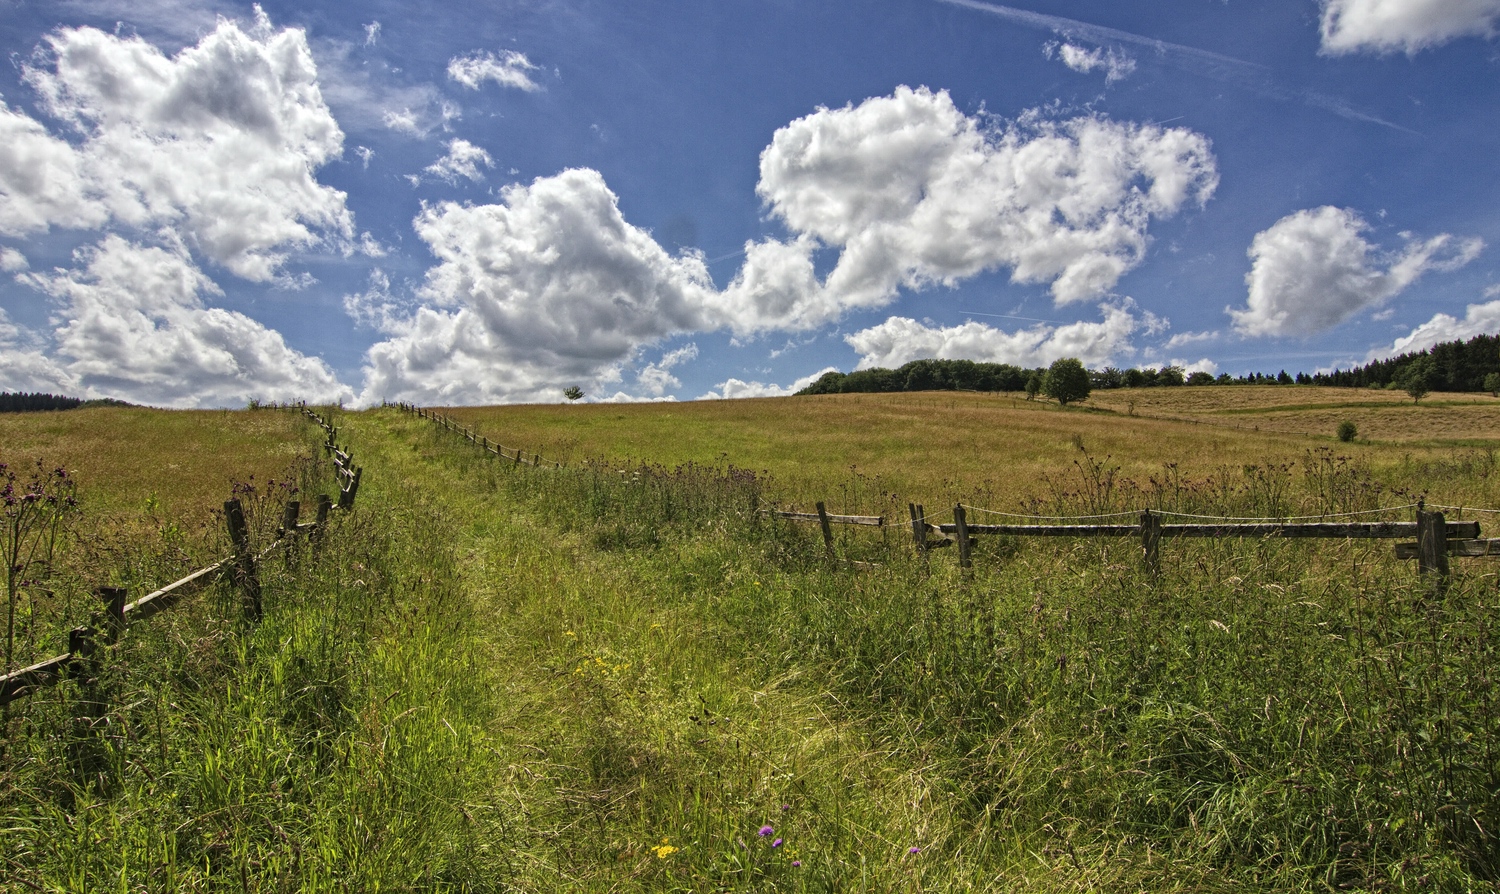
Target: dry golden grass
{"points": [[873, 452], [183, 461], [1440, 419]]}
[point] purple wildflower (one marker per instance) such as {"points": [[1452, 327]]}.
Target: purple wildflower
{"points": [[796, 862], [913, 850], [766, 831], [776, 843]]}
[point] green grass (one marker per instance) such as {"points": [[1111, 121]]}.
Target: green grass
{"points": [[505, 678]]}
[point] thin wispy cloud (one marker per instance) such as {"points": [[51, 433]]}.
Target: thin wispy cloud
{"points": [[1249, 75]]}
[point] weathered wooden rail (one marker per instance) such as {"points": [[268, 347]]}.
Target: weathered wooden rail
{"points": [[1436, 538], [116, 615]]}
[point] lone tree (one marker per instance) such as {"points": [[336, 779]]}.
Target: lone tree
{"points": [[1416, 379], [1066, 380], [573, 392], [1492, 384], [1033, 385]]}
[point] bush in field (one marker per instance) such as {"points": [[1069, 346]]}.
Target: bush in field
{"points": [[1347, 431], [1492, 384], [1066, 381]]}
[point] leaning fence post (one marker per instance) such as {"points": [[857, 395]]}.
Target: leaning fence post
{"points": [[1151, 540], [961, 525], [827, 530], [1432, 550], [244, 560], [346, 496]]}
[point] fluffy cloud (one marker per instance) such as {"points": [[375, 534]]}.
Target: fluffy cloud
{"points": [[1314, 269], [550, 286], [12, 261], [1386, 26], [1479, 319], [463, 160], [25, 365], [1115, 64], [41, 181], [733, 389], [914, 193], [508, 69], [220, 143], [900, 340], [656, 379], [135, 327]]}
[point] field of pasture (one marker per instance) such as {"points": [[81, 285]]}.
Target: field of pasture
{"points": [[866, 452], [620, 676]]}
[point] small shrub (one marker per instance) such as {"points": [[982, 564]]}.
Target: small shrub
{"points": [[1347, 431]]}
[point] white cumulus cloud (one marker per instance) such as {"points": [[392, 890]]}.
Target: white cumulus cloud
{"points": [[914, 193], [1314, 269], [463, 160], [1386, 26], [733, 389], [1479, 319], [656, 379], [549, 286], [220, 143], [12, 261], [135, 327], [507, 68], [900, 340]]}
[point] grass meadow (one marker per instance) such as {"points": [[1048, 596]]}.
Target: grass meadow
{"points": [[619, 676]]}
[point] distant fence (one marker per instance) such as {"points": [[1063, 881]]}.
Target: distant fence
{"points": [[116, 615], [514, 454]]}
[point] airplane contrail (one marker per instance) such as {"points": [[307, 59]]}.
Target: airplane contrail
{"points": [[1251, 75]]}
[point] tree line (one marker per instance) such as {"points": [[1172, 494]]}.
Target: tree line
{"points": [[1472, 365], [31, 402]]}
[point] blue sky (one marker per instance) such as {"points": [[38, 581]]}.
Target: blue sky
{"points": [[205, 202]]}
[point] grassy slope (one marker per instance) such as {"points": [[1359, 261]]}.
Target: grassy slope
{"points": [[558, 674], [875, 452]]}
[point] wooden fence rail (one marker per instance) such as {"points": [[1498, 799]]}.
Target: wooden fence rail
{"points": [[1436, 538], [117, 615]]}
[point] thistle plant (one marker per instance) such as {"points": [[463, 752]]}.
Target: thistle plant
{"points": [[34, 508]]}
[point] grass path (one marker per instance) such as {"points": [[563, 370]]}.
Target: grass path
{"points": [[640, 743]]}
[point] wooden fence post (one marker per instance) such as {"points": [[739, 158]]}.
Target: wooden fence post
{"points": [[1151, 540], [1432, 550], [114, 612], [918, 528], [961, 523], [244, 561], [346, 495], [289, 515], [827, 530]]}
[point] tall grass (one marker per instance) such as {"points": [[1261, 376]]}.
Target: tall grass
{"points": [[1271, 714]]}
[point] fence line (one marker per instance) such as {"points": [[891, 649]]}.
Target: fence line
{"points": [[514, 454], [111, 623]]}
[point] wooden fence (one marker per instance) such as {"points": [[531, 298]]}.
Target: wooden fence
{"points": [[1434, 538], [108, 625], [514, 454]]}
